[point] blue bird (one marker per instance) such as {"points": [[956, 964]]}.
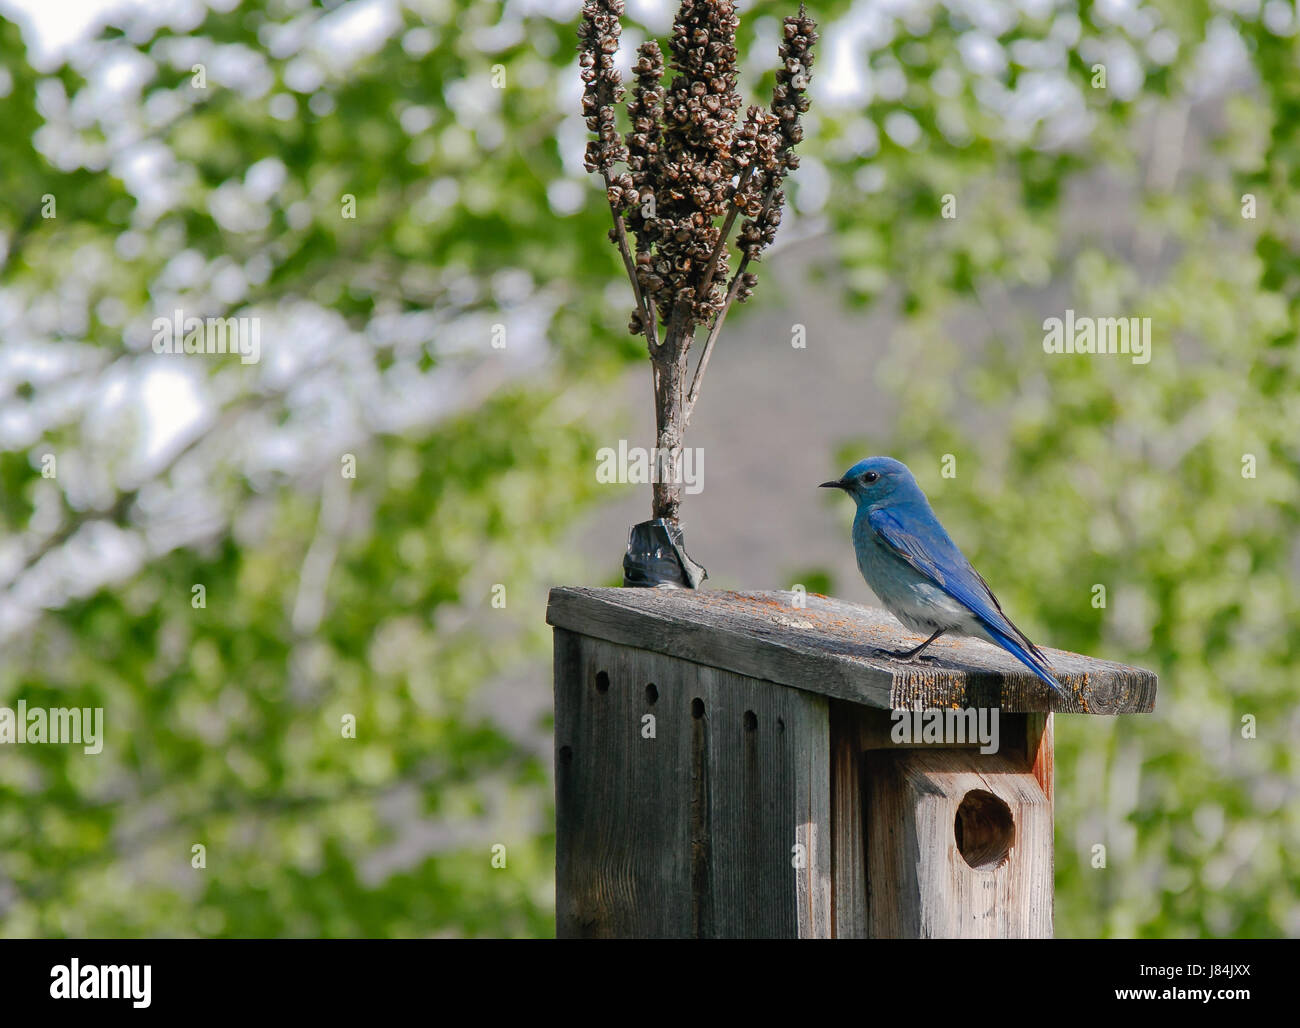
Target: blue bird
{"points": [[918, 572]]}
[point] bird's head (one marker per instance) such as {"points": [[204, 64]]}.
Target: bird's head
{"points": [[876, 482]]}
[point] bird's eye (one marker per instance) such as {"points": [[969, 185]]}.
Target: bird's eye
{"points": [[870, 477]]}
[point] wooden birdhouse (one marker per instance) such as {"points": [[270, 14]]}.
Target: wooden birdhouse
{"points": [[749, 765]]}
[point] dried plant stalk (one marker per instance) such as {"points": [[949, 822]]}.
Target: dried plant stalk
{"points": [[693, 169]]}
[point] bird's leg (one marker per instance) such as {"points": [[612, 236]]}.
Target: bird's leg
{"points": [[911, 655]]}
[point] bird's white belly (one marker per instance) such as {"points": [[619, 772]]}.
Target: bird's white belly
{"points": [[911, 597], [924, 607]]}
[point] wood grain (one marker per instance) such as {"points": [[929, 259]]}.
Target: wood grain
{"points": [[920, 884], [848, 833], [692, 833], [831, 648]]}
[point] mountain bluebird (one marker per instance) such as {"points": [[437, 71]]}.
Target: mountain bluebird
{"points": [[916, 569]]}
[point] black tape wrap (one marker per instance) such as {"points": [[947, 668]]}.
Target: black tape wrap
{"points": [[656, 555]]}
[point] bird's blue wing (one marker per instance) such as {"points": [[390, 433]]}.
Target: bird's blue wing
{"points": [[931, 552]]}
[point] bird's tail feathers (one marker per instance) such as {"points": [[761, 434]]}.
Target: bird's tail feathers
{"points": [[1031, 657]]}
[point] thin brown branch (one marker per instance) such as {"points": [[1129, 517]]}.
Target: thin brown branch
{"points": [[713, 338], [710, 270], [714, 331], [647, 315]]}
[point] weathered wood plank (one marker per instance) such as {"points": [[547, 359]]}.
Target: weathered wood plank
{"points": [[848, 834], [925, 809], [830, 647], [690, 833], [769, 776], [623, 803], [1040, 751]]}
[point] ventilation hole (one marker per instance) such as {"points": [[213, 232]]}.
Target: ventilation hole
{"points": [[985, 830], [750, 720], [780, 724], [651, 694], [697, 708], [566, 756], [602, 682]]}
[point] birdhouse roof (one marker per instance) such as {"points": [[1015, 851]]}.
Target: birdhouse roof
{"points": [[831, 647]]}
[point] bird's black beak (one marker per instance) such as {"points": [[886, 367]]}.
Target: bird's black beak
{"points": [[837, 484]]}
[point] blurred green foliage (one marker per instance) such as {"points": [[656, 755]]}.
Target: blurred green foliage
{"points": [[1095, 471], [224, 721]]}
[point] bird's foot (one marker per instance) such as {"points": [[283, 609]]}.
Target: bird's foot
{"points": [[910, 656], [907, 657]]}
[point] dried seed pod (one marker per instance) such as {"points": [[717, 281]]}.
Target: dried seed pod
{"points": [[691, 161], [599, 33], [778, 134]]}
